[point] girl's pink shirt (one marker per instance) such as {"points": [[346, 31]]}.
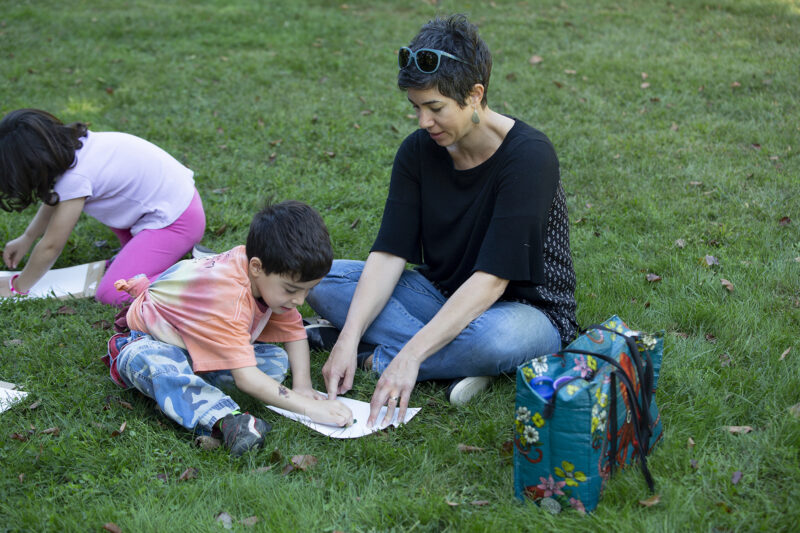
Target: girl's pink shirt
{"points": [[129, 183]]}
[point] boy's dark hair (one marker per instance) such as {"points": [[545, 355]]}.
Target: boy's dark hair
{"points": [[454, 79], [35, 149], [290, 238]]}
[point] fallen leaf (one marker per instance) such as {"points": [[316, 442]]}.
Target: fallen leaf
{"points": [[736, 477], [54, 431], [13, 342], [681, 334], [225, 519], [304, 462], [287, 469], [690, 443], [19, 436], [558, 84], [535, 60], [466, 448], [785, 353], [652, 278], [693, 462], [727, 284], [355, 223], [220, 230], [739, 430], [724, 359], [755, 146], [736, 84], [570, 71], [784, 221], [330, 154], [112, 527], [645, 85], [651, 501], [674, 127], [163, 478], [249, 521], [479, 503], [65, 310], [710, 260], [101, 324], [117, 433], [644, 75], [680, 243], [35, 404], [711, 338], [189, 473], [262, 469], [795, 410], [21, 477], [451, 504], [276, 142]]}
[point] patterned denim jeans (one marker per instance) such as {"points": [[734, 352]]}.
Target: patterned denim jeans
{"points": [[164, 373]]}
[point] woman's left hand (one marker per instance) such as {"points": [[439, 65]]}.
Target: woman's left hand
{"points": [[394, 389]]}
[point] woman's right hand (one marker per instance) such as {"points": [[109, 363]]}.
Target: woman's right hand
{"points": [[15, 250], [330, 412], [340, 368]]}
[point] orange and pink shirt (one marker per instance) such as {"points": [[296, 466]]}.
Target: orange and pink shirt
{"points": [[207, 307]]}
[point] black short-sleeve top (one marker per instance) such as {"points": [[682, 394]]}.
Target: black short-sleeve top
{"points": [[506, 216]]}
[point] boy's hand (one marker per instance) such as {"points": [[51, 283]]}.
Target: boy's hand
{"points": [[330, 412]]}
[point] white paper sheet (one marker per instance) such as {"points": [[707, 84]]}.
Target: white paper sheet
{"points": [[8, 397], [79, 281], [360, 414]]}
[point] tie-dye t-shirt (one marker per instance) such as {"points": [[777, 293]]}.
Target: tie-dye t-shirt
{"points": [[207, 307]]}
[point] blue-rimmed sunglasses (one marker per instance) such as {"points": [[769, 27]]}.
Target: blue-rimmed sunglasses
{"points": [[426, 59]]}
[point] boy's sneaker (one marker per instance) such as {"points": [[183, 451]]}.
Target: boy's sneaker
{"points": [[243, 432], [199, 251], [462, 390]]}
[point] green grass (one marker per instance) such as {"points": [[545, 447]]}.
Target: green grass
{"points": [[255, 99]]}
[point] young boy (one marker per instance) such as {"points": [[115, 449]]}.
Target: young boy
{"points": [[193, 330]]}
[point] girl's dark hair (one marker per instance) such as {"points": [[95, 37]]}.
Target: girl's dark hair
{"points": [[290, 238], [35, 149], [454, 79]]}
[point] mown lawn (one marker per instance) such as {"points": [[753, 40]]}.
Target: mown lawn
{"points": [[678, 130]]}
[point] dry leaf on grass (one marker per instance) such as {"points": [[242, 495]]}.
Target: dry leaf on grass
{"points": [[466, 448], [727, 284], [651, 501], [690, 443], [112, 527], [117, 433], [785, 353], [225, 520], [739, 430], [189, 473], [652, 278], [736, 477]]}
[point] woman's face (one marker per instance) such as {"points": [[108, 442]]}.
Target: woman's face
{"points": [[441, 116]]}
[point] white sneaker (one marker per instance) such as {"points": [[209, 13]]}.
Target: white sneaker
{"points": [[462, 390], [199, 251]]}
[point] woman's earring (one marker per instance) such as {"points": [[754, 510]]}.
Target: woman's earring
{"points": [[475, 118]]}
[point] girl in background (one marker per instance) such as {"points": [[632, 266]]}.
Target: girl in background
{"points": [[146, 197]]}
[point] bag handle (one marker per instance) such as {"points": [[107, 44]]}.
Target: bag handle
{"points": [[645, 370], [640, 438], [645, 395]]}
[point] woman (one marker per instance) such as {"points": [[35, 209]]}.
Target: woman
{"points": [[476, 202]]}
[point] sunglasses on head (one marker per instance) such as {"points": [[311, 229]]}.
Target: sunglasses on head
{"points": [[426, 59]]}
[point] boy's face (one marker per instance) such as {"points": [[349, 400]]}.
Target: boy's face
{"points": [[280, 292]]}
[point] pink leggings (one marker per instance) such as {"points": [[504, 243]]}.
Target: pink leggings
{"points": [[152, 251]]}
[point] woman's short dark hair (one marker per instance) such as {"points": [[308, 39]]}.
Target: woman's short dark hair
{"points": [[454, 79], [290, 238], [35, 149]]}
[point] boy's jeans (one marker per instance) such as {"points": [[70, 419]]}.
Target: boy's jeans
{"points": [[503, 337], [163, 372]]}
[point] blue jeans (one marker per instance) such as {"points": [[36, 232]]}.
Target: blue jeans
{"points": [[164, 373], [503, 337]]}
